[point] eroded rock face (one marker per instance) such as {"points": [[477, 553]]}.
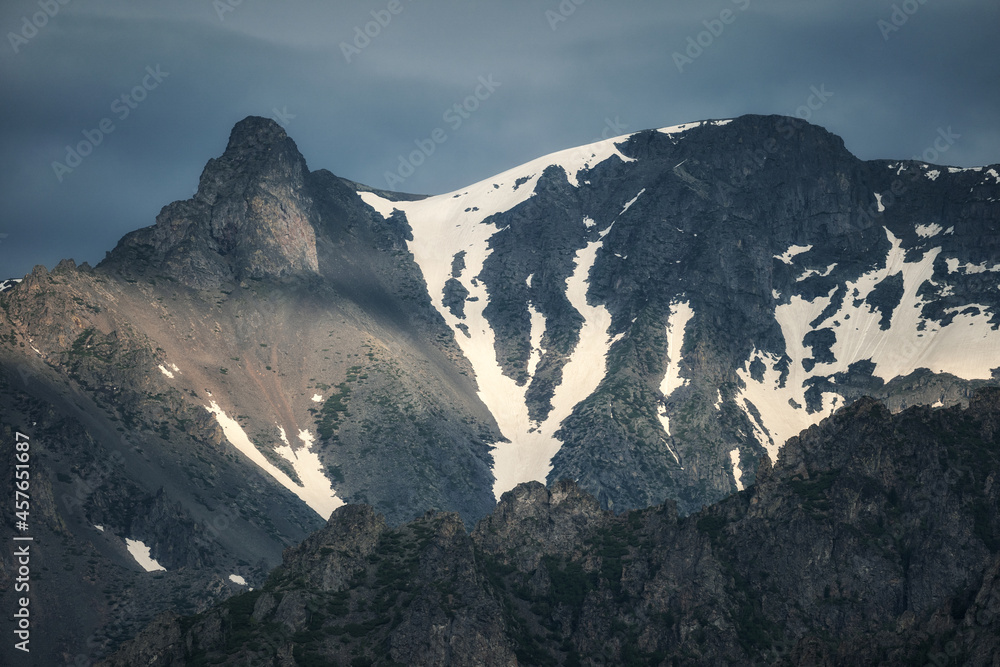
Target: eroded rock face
{"points": [[874, 539], [252, 217]]}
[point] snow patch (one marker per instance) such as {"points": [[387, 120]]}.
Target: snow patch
{"points": [[967, 347], [447, 224], [878, 202], [684, 127], [792, 251], [140, 552], [237, 579], [680, 315], [671, 450], [954, 266], [815, 272], [164, 370], [927, 231], [779, 418], [100, 528], [317, 398], [734, 456], [384, 206], [994, 174], [677, 319], [535, 334], [933, 174], [630, 202], [315, 489]]}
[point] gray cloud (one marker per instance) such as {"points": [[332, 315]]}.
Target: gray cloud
{"points": [[606, 62]]}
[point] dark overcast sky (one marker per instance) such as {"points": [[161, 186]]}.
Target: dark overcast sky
{"points": [[560, 83]]}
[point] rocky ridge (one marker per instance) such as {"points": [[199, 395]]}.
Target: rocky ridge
{"points": [[873, 540]]}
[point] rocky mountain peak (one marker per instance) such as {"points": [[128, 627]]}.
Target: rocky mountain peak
{"points": [[258, 152], [255, 132], [250, 218]]}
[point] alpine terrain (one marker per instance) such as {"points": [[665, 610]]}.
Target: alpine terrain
{"points": [[649, 317], [874, 540]]}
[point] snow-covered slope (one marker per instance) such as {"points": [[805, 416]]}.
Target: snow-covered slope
{"points": [[891, 302], [8, 284], [456, 225]]}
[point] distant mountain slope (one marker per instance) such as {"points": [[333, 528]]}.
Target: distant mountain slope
{"points": [[875, 539], [648, 315]]}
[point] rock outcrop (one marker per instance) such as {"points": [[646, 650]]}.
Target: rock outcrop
{"points": [[250, 217]]}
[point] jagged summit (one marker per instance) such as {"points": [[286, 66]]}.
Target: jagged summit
{"points": [[255, 131], [259, 153], [250, 218]]}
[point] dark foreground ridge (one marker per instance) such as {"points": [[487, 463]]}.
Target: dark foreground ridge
{"points": [[874, 539]]}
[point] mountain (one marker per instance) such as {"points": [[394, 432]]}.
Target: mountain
{"points": [[873, 540], [650, 316]]}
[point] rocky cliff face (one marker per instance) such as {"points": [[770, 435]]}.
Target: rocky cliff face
{"points": [[250, 218], [874, 539]]}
